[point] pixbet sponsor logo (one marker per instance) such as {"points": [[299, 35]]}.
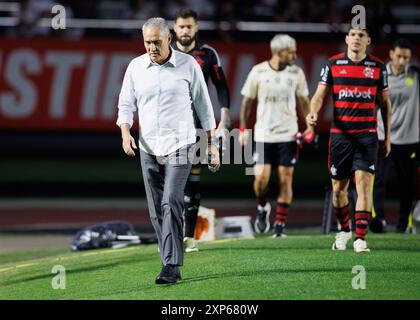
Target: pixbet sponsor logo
{"points": [[354, 93]]}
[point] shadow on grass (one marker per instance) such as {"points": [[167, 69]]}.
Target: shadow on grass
{"points": [[294, 271], [380, 249], [262, 248], [225, 275]]}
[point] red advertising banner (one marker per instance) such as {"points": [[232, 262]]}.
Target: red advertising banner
{"points": [[57, 84]]}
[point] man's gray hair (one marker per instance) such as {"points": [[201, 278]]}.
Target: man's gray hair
{"points": [[282, 41], [157, 22]]}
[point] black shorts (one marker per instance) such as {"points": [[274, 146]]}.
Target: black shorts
{"points": [[276, 154], [351, 152]]}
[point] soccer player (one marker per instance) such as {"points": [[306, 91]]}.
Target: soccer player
{"points": [[404, 88], [186, 28], [275, 83], [357, 79]]}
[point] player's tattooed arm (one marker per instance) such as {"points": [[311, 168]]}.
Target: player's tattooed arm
{"points": [[246, 106], [305, 109], [225, 123]]}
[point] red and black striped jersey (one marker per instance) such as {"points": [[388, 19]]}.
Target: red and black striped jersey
{"points": [[355, 88], [210, 64]]}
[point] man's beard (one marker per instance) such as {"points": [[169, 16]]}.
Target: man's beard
{"points": [[186, 41], [283, 64]]}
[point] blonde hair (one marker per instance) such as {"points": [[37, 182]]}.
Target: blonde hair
{"points": [[281, 42]]}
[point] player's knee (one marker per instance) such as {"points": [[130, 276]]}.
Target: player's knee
{"points": [[364, 185], [286, 182], [339, 195], [173, 199], [287, 174]]}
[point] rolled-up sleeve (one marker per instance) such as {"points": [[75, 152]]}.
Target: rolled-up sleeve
{"points": [[201, 98], [127, 100]]}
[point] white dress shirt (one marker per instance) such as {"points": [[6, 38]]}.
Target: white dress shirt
{"points": [[165, 96]]}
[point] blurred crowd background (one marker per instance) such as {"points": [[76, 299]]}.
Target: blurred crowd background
{"points": [[383, 15]]}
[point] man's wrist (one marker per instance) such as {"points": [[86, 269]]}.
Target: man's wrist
{"points": [[211, 140], [225, 123]]}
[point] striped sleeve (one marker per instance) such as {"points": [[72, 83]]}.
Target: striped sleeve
{"points": [[326, 75], [383, 79], [218, 78]]}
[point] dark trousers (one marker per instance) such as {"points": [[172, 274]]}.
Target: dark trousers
{"points": [[164, 180], [404, 159]]}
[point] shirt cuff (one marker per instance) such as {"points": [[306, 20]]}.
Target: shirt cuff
{"points": [[208, 125], [126, 119]]}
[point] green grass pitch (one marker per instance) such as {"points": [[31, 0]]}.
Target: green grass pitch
{"points": [[301, 266]]}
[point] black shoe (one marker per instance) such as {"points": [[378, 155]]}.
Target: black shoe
{"points": [[169, 274], [278, 231], [402, 227], [377, 225]]}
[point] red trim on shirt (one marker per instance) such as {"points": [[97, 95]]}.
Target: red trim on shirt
{"points": [[338, 56], [354, 118], [335, 130], [354, 105], [376, 59]]}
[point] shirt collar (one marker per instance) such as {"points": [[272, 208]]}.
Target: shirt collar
{"points": [[171, 61], [357, 63], [388, 68], [196, 47]]}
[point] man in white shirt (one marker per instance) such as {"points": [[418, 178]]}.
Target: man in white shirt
{"points": [[164, 86], [276, 83]]}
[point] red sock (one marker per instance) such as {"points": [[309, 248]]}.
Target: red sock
{"points": [[282, 210], [343, 217], [362, 221]]}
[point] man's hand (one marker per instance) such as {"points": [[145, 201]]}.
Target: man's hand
{"points": [[311, 119], [214, 158], [224, 124], [243, 137], [387, 146], [128, 144]]}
